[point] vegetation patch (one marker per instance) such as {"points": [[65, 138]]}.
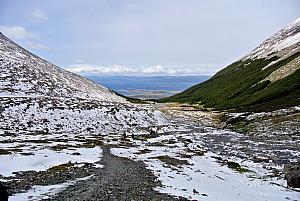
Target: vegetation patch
{"points": [[236, 166], [61, 147], [4, 152], [171, 161], [170, 141], [231, 164], [186, 155], [38, 141], [16, 150], [199, 153], [156, 144], [196, 152], [61, 168], [239, 87], [27, 154], [144, 151]]}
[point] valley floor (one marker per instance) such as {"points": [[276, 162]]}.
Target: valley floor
{"points": [[190, 157]]}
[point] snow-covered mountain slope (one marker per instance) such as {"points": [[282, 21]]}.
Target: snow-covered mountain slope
{"points": [[25, 74], [285, 42], [37, 96], [53, 115], [268, 78]]}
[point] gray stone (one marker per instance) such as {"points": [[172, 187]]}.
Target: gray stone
{"points": [[292, 175]]}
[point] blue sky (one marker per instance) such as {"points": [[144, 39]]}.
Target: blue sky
{"points": [[144, 36]]}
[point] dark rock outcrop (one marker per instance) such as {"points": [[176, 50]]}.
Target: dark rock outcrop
{"points": [[3, 193], [292, 175]]}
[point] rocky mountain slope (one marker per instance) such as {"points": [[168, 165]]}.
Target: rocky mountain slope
{"points": [[36, 95], [25, 74], [266, 79]]}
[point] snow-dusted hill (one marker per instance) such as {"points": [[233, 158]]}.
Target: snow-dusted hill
{"points": [[25, 74], [266, 79], [284, 43], [36, 95]]}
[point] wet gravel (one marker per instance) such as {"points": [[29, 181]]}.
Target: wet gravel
{"points": [[120, 179]]}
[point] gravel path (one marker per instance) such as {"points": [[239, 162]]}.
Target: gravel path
{"points": [[120, 179]]}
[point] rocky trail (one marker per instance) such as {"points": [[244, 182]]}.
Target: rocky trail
{"points": [[120, 179], [185, 159]]}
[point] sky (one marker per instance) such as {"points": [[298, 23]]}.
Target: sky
{"points": [[144, 37]]}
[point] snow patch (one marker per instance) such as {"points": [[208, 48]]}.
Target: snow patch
{"points": [[45, 159], [44, 192]]}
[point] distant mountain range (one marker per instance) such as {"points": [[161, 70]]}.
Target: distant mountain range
{"points": [[266, 79], [147, 87]]}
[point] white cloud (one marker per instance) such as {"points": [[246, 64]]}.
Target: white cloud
{"points": [[38, 14], [17, 32], [125, 70], [20, 33], [37, 46]]}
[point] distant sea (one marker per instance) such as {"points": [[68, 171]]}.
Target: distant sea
{"points": [[146, 87]]}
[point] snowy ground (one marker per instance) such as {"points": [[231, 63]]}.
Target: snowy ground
{"points": [[184, 171], [53, 124], [31, 152], [73, 115], [48, 136], [41, 160], [43, 192], [190, 159]]}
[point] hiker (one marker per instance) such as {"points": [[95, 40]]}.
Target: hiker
{"points": [[3, 193], [132, 135], [124, 135]]}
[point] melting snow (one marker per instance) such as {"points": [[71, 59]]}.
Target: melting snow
{"points": [[45, 159], [203, 177], [43, 192]]}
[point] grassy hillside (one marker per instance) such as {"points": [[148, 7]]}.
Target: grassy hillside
{"points": [[239, 86]]}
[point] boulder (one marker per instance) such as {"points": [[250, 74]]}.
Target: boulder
{"points": [[292, 175], [3, 193]]}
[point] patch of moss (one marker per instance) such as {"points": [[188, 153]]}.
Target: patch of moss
{"points": [[60, 147], [61, 168], [241, 127], [280, 119], [236, 166], [88, 145], [196, 152], [4, 152], [199, 153], [186, 155], [27, 154], [144, 151], [171, 161], [38, 141], [16, 150], [156, 144], [170, 141]]}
